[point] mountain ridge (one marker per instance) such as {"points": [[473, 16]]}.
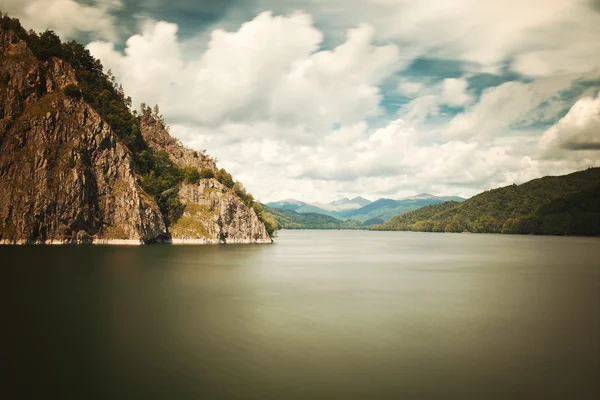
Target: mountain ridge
{"points": [[376, 211], [555, 205]]}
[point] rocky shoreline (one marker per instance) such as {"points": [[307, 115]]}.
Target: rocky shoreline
{"points": [[133, 242]]}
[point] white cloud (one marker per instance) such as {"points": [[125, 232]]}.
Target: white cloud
{"points": [[543, 37], [454, 92], [271, 69], [409, 88], [579, 130], [451, 92], [66, 17], [502, 106], [263, 97], [390, 161]]}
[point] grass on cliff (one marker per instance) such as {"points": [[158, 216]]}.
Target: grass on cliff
{"points": [[192, 223], [43, 106]]}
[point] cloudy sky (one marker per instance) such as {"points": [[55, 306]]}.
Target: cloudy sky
{"points": [[318, 99]]}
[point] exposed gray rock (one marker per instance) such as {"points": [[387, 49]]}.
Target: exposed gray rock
{"points": [[213, 213]]}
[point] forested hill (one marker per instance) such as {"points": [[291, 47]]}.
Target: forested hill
{"points": [[553, 205], [288, 219]]}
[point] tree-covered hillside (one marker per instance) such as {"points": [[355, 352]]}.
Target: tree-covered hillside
{"points": [[558, 205], [288, 219]]}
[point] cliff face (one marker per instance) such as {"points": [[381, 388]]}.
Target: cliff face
{"points": [[66, 178], [63, 175], [213, 213]]}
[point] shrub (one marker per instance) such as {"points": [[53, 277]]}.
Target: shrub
{"points": [[270, 224], [207, 173], [72, 91], [192, 175], [225, 178]]}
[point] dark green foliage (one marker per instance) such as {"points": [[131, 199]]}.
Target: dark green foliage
{"points": [[288, 219], [225, 178], [170, 206], [161, 178], [270, 224], [240, 192], [192, 175], [563, 205], [46, 45], [267, 218], [72, 91], [207, 173]]}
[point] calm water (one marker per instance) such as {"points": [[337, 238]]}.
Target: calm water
{"points": [[318, 315]]}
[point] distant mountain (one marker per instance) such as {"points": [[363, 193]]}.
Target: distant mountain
{"points": [[333, 208], [384, 209], [287, 204], [373, 221], [361, 209], [554, 205], [288, 219], [427, 196], [349, 204]]}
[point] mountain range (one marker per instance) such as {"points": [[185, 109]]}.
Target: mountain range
{"points": [[361, 209]]}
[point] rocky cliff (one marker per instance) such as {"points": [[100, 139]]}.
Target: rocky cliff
{"points": [[66, 177], [213, 213]]}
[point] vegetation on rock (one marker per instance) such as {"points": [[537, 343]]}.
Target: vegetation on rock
{"points": [[158, 175]]}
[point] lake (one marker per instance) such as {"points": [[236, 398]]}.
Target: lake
{"points": [[317, 315]]}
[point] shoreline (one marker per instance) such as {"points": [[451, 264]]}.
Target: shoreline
{"points": [[134, 242]]}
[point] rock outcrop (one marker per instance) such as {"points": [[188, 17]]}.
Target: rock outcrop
{"points": [[213, 213], [65, 177]]}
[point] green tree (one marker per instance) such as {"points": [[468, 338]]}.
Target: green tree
{"points": [[225, 178], [207, 173], [192, 175]]}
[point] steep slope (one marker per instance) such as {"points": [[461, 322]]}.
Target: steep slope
{"points": [[551, 205], [212, 212], [64, 177]]}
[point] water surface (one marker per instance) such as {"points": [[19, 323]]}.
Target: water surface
{"points": [[318, 315]]}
